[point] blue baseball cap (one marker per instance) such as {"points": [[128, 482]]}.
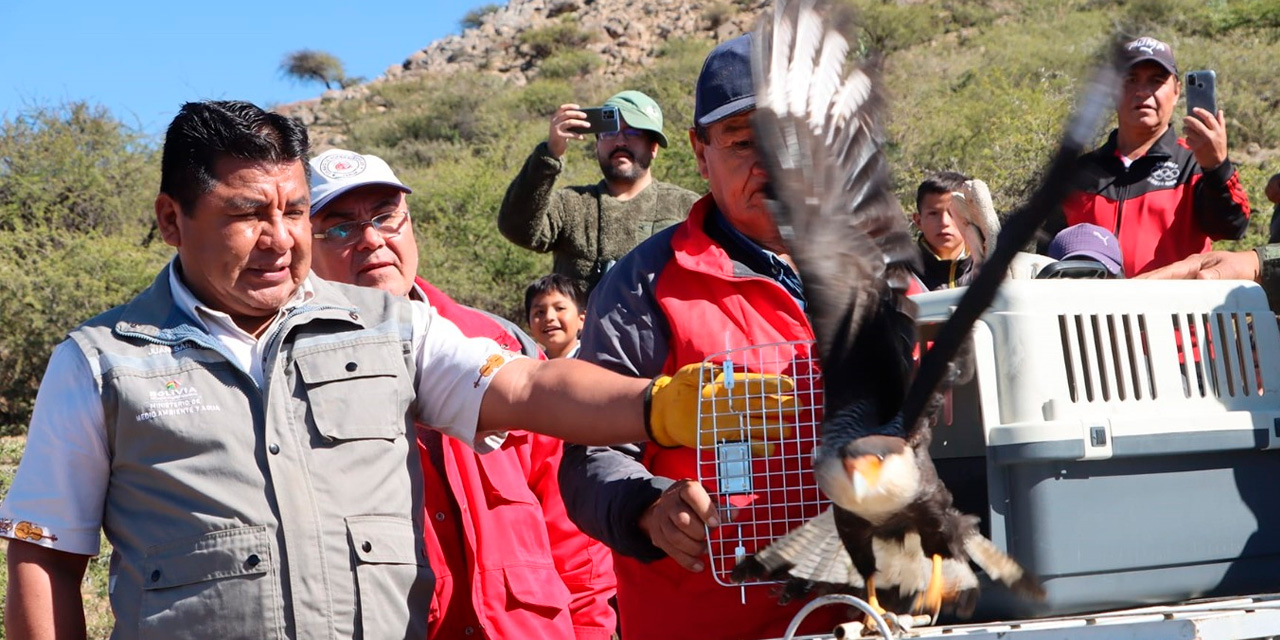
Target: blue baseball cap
{"points": [[725, 85]]}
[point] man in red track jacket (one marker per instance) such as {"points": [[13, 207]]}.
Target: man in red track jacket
{"points": [[508, 561], [1164, 197]]}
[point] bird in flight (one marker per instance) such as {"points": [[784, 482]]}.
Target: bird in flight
{"points": [[819, 130]]}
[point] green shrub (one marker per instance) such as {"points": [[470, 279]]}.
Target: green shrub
{"points": [[455, 221], [50, 281], [454, 110], [74, 167], [718, 13], [557, 36], [569, 64], [475, 17], [76, 192], [888, 27], [539, 99]]}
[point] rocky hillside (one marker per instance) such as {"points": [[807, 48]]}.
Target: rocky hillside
{"points": [[518, 41], [625, 39]]}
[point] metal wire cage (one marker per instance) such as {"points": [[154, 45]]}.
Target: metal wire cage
{"points": [[763, 491]]}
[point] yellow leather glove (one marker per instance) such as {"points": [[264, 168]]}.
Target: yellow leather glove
{"points": [[755, 407]]}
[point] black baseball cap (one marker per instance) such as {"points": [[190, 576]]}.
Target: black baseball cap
{"points": [[1148, 48], [725, 85]]}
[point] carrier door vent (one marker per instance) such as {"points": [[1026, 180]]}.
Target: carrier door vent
{"points": [[1106, 357], [1217, 354]]}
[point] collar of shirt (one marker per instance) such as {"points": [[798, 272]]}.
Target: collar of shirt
{"points": [[964, 252], [755, 257], [245, 348]]}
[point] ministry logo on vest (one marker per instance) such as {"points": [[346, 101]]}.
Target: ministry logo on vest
{"points": [[1165, 174], [174, 399]]}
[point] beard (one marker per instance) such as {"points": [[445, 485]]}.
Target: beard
{"points": [[631, 173]]}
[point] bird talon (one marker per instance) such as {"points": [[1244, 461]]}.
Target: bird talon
{"points": [[868, 623], [930, 601]]}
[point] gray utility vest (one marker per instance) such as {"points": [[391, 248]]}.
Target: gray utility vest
{"points": [[289, 511]]}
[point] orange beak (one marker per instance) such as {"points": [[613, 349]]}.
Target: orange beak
{"points": [[867, 466]]}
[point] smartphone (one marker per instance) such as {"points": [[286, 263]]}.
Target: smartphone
{"points": [[600, 119], [1202, 91]]}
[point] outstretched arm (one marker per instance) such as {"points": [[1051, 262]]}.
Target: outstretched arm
{"points": [[43, 600], [567, 399]]}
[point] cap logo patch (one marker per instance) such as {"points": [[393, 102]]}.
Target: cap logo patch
{"points": [[1101, 237], [342, 165], [1146, 45]]}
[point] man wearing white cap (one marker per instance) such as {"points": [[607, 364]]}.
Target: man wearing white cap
{"points": [[1163, 197], [507, 560], [589, 227]]}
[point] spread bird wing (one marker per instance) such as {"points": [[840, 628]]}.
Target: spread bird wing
{"points": [[819, 133], [812, 561]]}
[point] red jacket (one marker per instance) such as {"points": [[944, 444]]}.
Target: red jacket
{"points": [[506, 557], [708, 307], [1163, 207]]}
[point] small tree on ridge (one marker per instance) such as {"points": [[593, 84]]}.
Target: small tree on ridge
{"points": [[309, 64]]}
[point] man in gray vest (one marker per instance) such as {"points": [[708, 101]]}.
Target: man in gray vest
{"points": [[242, 430]]}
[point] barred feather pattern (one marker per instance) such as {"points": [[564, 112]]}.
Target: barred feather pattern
{"points": [[818, 129], [819, 135]]}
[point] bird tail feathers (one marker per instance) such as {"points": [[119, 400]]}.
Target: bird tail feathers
{"points": [[1001, 567]]}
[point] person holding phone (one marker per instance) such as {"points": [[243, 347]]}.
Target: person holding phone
{"points": [[588, 227], [1164, 197]]}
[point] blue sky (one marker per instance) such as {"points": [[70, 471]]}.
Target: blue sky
{"points": [[143, 59]]}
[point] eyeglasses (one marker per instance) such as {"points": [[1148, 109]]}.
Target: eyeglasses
{"points": [[628, 133], [388, 224]]}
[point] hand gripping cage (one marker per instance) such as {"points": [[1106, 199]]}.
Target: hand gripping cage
{"points": [[762, 491]]}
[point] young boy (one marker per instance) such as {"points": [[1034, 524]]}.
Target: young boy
{"points": [[943, 256], [554, 307]]}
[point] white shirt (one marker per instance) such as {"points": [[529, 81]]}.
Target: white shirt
{"points": [[61, 484]]}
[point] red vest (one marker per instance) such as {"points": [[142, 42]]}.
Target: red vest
{"points": [[508, 561], [711, 310]]}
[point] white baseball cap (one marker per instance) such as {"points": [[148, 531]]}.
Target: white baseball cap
{"points": [[338, 171]]}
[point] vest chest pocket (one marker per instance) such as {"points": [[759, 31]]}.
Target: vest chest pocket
{"points": [[357, 391]]}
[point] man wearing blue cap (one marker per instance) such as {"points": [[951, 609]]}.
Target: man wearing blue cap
{"points": [[589, 227], [720, 280]]}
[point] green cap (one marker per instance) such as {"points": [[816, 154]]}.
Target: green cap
{"points": [[640, 112]]}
